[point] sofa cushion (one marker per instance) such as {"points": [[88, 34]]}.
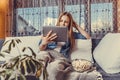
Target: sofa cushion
{"points": [[15, 45], [82, 50], [107, 53]]}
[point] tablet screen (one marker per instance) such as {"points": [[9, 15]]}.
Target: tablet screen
{"points": [[60, 31]]}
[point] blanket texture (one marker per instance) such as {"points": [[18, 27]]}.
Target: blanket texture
{"points": [[60, 68]]}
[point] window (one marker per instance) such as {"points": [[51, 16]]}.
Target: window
{"points": [[30, 19], [95, 16], [101, 19]]}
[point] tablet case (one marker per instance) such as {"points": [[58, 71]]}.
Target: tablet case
{"points": [[61, 32]]}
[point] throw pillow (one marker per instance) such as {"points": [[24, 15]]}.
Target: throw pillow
{"points": [[107, 53], [82, 50]]}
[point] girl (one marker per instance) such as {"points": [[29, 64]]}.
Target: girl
{"points": [[65, 19]]}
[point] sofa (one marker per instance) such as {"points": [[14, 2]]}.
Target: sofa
{"points": [[97, 44]]}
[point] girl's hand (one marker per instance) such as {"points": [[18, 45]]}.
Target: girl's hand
{"points": [[48, 38], [82, 31], [75, 25]]}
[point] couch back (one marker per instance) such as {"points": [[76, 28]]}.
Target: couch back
{"points": [[94, 43]]}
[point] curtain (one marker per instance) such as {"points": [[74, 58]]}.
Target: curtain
{"points": [[97, 17], [32, 15]]}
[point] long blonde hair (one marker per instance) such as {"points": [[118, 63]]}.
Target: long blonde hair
{"points": [[70, 27]]}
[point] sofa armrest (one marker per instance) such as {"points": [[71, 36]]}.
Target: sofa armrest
{"points": [[1, 42]]}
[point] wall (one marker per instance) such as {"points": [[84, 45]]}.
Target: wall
{"points": [[3, 10], [5, 18], [118, 15]]}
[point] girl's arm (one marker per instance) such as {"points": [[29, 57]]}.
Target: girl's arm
{"points": [[47, 39], [42, 46], [81, 30]]}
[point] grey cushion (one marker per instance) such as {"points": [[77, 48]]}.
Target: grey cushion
{"points": [[1, 42]]}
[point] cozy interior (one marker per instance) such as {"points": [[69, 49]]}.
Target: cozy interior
{"points": [[23, 19]]}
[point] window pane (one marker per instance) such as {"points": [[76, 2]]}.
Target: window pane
{"points": [[31, 19], [101, 19], [77, 12]]}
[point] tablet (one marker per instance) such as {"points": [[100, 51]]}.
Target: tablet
{"points": [[59, 30]]}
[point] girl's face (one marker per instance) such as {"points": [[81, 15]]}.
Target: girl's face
{"points": [[64, 21]]}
